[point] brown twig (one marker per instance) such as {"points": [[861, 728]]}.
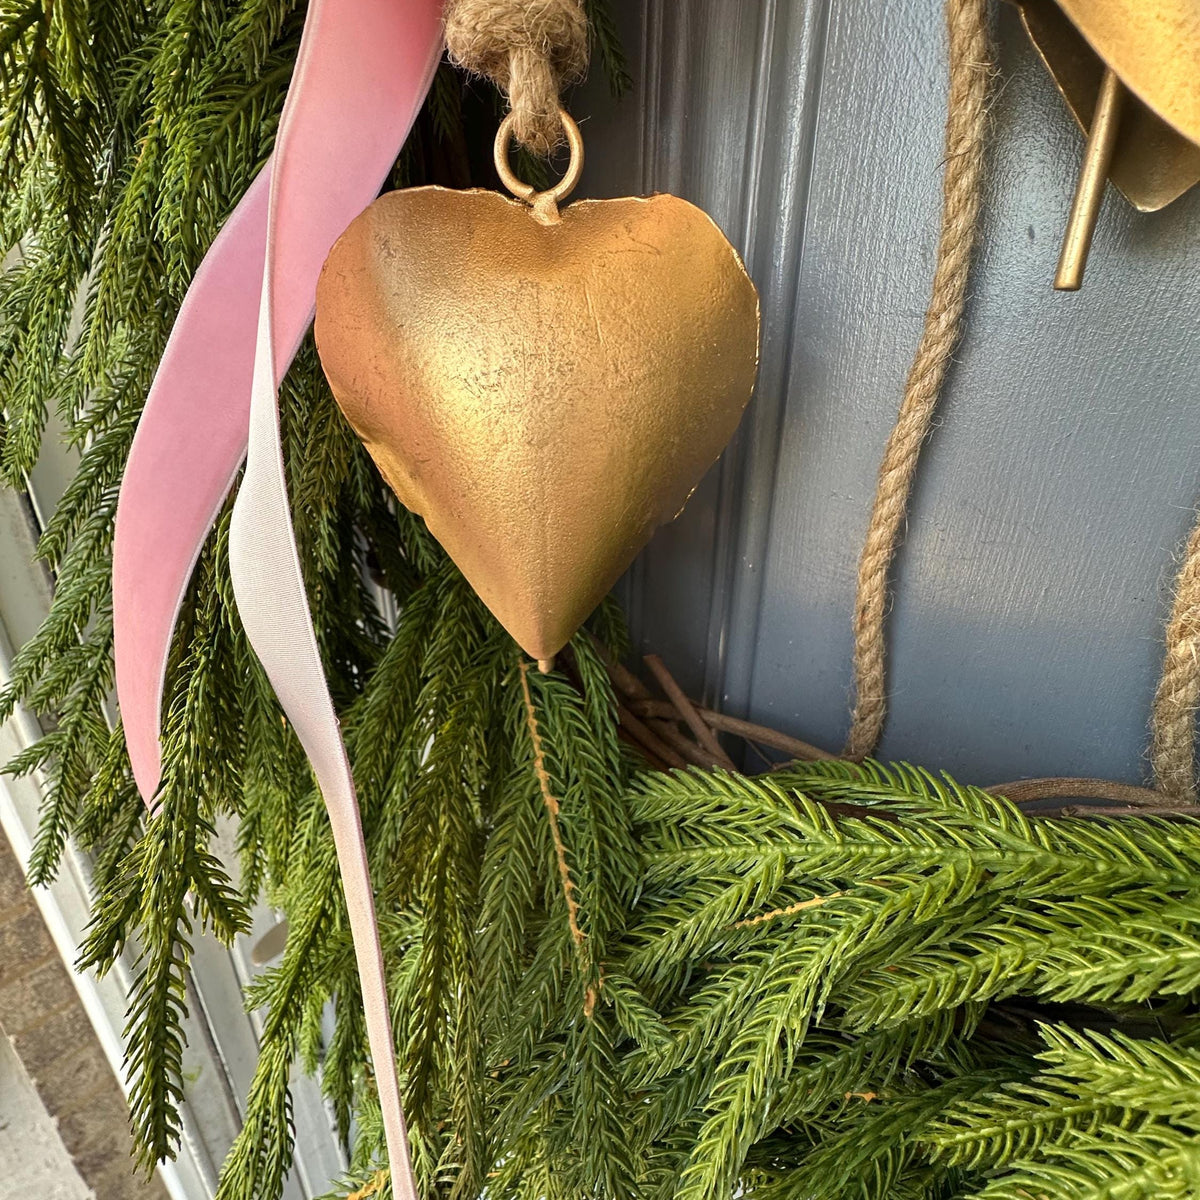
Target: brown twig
{"points": [[651, 759], [623, 679], [1095, 812], [662, 741], [647, 738], [767, 737], [1061, 787], [552, 809], [691, 718], [635, 691], [675, 737], [739, 728]]}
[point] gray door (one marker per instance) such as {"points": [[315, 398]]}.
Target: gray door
{"points": [[1034, 581]]}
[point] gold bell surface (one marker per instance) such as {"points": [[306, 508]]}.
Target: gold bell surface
{"points": [[544, 388], [1129, 71]]}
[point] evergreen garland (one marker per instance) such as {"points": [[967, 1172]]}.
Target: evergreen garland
{"points": [[832, 982]]}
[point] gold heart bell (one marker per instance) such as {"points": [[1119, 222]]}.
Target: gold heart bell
{"points": [[544, 385]]}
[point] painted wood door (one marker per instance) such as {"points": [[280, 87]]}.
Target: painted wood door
{"points": [[1052, 501]]}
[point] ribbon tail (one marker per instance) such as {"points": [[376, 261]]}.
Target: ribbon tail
{"points": [[189, 444], [362, 73]]}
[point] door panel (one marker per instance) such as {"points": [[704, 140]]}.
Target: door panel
{"points": [[1035, 577]]}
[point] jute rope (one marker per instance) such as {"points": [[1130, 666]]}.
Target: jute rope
{"points": [[530, 49], [962, 190], [1173, 721]]}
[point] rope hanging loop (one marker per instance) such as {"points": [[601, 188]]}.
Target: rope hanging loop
{"points": [[531, 50], [962, 194]]}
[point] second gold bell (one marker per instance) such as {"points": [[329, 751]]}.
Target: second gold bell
{"points": [[1129, 71]]}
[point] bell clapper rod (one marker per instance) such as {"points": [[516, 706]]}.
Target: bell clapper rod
{"points": [[1097, 158]]}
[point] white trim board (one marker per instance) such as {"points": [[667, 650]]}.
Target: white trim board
{"points": [[222, 1038]]}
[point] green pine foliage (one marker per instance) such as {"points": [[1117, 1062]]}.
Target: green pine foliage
{"points": [[833, 982], [1107, 1116]]}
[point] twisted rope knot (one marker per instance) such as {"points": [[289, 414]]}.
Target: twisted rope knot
{"points": [[531, 49]]}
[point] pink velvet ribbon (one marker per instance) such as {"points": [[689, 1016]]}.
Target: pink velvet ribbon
{"points": [[363, 69]]}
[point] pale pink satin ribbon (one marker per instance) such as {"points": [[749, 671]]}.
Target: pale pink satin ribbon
{"points": [[361, 75]]}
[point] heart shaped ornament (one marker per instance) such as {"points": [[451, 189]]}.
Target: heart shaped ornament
{"points": [[544, 388]]}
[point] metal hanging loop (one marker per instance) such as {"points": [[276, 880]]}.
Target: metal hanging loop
{"points": [[544, 204]]}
